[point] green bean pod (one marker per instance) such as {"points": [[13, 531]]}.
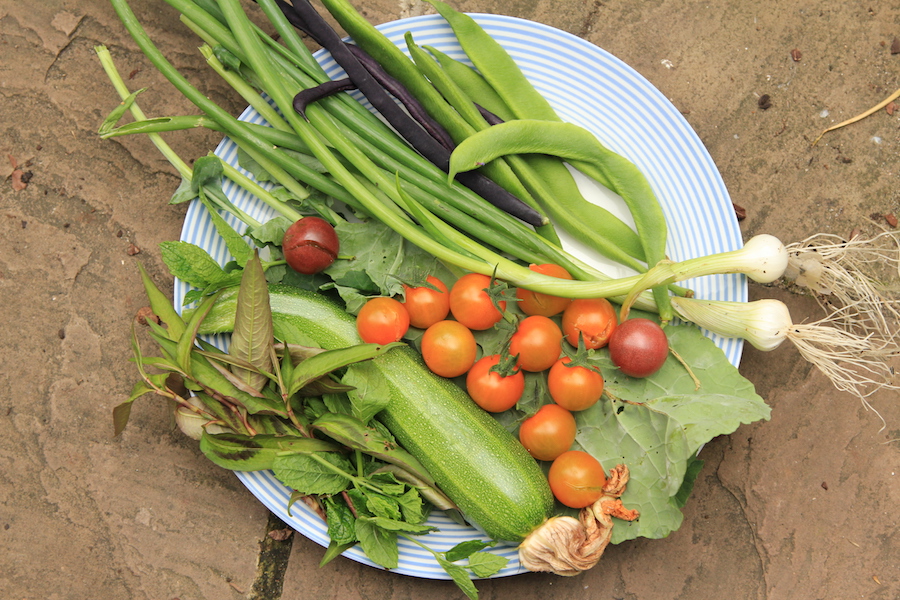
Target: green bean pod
{"points": [[500, 86], [571, 142], [395, 62], [496, 66], [472, 84], [547, 178]]}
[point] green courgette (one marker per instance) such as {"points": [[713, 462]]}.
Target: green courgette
{"points": [[498, 486]]}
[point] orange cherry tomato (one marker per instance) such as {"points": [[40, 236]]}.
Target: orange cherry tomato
{"points": [[593, 318], [574, 387], [382, 321], [425, 305], [537, 303], [537, 342], [493, 391], [449, 348], [576, 479], [549, 432], [470, 303]]}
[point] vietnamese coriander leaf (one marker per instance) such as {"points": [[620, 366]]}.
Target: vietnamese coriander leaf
{"points": [[234, 241], [356, 435], [321, 364], [252, 337], [238, 452], [371, 392]]}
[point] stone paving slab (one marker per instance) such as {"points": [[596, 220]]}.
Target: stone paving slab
{"points": [[803, 507]]}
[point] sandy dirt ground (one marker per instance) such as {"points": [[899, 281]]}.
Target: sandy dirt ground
{"points": [[805, 506]]}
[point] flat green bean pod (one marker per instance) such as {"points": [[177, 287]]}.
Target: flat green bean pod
{"points": [[496, 66], [573, 143], [546, 177]]}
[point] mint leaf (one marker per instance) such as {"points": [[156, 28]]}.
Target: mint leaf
{"points": [[190, 263], [387, 483], [237, 245], [382, 506], [412, 506], [341, 522], [307, 475], [379, 544], [486, 564], [460, 577], [371, 391], [465, 549]]}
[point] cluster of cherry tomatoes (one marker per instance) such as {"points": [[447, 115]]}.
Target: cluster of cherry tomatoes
{"points": [[496, 382]]}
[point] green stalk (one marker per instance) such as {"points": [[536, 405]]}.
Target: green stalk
{"points": [[183, 169], [250, 95], [119, 84]]}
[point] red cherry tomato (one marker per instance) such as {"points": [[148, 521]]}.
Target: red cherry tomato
{"points": [[576, 479], [536, 303], [548, 433], [538, 343], [310, 245], [449, 348], [593, 318], [574, 387], [471, 305], [639, 347], [382, 321], [493, 391], [427, 306]]}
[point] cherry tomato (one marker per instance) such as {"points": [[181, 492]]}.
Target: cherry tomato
{"points": [[538, 342], [639, 347], [594, 318], [310, 245], [427, 306], [576, 479], [548, 433], [536, 303], [471, 305], [382, 321], [574, 387], [491, 390], [449, 348]]}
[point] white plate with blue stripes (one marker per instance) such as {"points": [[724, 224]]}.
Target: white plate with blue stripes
{"points": [[589, 87]]}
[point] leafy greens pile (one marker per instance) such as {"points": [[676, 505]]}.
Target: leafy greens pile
{"points": [[656, 425]]}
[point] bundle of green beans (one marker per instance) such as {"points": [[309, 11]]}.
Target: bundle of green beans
{"points": [[534, 142], [340, 123]]}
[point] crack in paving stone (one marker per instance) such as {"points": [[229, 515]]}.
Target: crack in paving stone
{"points": [[274, 553]]}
